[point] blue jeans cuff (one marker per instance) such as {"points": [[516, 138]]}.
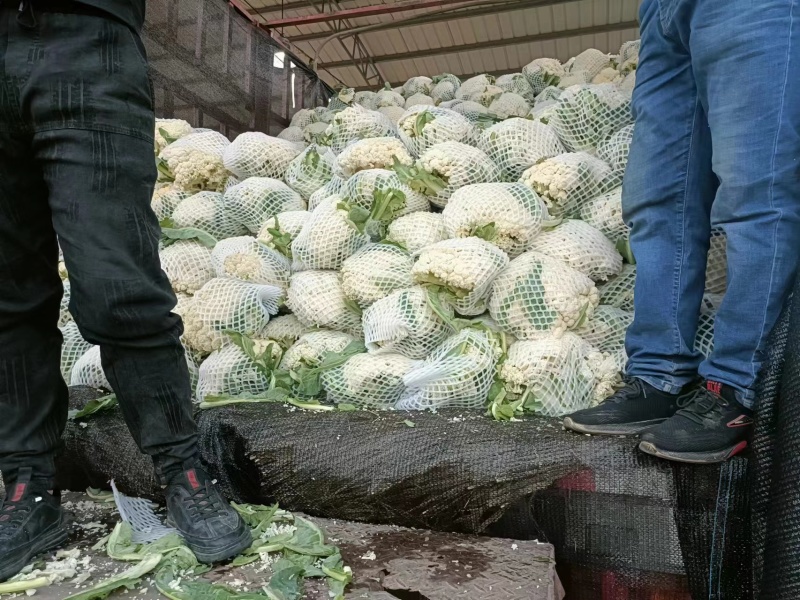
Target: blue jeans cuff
{"points": [[665, 386]]}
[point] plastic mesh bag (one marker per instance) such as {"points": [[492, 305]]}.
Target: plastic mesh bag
{"points": [[366, 99], [64, 315], [475, 113], [517, 144], [629, 56], [582, 247], [311, 347], [316, 297], [457, 374], [626, 85], [566, 181], [278, 232], [444, 91], [230, 372], [166, 199], [509, 105], [704, 338], [717, 266], [591, 61], [284, 329], [333, 187], [480, 89], [187, 264], [385, 98], [554, 376], [247, 259], [228, 305], [417, 85], [342, 100], [72, 349], [257, 199], [604, 213], [616, 148], [370, 381], [206, 142], [327, 238], [302, 118], [548, 94], [173, 129], [463, 269], [371, 153], [516, 83], [711, 303], [446, 167], [206, 211], [404, 322], [537, 293], [316, 133], [606, 329], [292, 134], [88, 370], [424, 126], [374, 272], [357, 123], [393, 113], [255, 154], [419, 100], [587, 114], [542, 73], [509, 215], [618, 291], [417, 230], [310, 170]]}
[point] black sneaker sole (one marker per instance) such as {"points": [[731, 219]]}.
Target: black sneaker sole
{"points": [[50, 540], [222, 549], [694, 458], [611, 428]]}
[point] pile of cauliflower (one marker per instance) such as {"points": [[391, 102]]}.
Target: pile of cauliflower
{"points": [[439, 244]]}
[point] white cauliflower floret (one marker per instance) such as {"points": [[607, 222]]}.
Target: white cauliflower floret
{"points": [[604, 213], [417, 85], [285, 330], [316, 133], [606, 329], [607, 75], [292, 134], [509, 215], [417, 230], [386, 98], [257, 199], [543, 72], [517, 144], [247, 259], [311, 347], [187, 264], [393, 113], [358, 123], [419, 100], [372, 153], [582, 247], [591, 61], [173, 129], [194, 170], [374, 272], [255, 154], [206, 211], [166, 198], [368, 380], [537, 293], [618, 291], [316, 297], [508, 105], [423, 127]]}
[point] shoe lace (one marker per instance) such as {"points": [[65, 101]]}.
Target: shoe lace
{"points": [[699, 405], [203, 503], [632, 387]]}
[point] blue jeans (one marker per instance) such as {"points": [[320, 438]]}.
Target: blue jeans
{"points": [[717, 141]]}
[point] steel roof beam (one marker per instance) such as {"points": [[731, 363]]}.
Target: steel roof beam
{"points": [[539, 37]]}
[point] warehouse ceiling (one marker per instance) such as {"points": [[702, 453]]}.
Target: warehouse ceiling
{"points": [[427, 37]]}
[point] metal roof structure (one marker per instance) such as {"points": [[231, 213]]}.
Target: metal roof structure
{"points": [[396, 40]]}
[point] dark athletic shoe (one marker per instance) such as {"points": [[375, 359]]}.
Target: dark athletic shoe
{"points": [[211, 527], [710, 427], [630, 411], [31, 522]]}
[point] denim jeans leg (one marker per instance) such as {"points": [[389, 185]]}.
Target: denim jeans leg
{"points": [[756, 150], [667, 195]]}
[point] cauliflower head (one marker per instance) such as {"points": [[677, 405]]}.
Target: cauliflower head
{"points": [[371, 153], [417, 230], [256, 199], [187, 264], [368, 380], [317, 299], [247, 259], [374, 272]]}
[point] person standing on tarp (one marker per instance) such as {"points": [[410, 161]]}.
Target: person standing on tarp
{"points": [[717, 139], [76, 163]]}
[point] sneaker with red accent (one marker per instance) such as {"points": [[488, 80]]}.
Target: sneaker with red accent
{"points": [[209, 524], [711, 426], [31, 522]]}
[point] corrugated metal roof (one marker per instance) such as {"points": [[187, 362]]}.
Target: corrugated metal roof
{"points": [[501, 38]]}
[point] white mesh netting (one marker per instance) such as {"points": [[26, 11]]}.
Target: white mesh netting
{"points": [[311, 347], [419, 100], [509, 215], [444, 91], [616, 148], [591, 61], [278, 232], [302, 118], [457, 374], [255, 154], [228, 305], [371, 153], [475, 113], [566, 181], [425, 126], [247, 259], [404, 322], [542, 73], [370, 381], [207, 142], [704, 338], [586, 114], [374, 272], [629, 56], [548, 94], [618, 291], [284, 329], [187, 264], [166, 199], [517, 144], [385, 98], [146, 526], [717, 266], [316, 297], [582, 247], [292, 134], [230, 372], [537, 293], [557, 376], [480, 89], [316, 133], [417, 230], [542, 112], [358, 123], [64, 315], [310, 170], [334, 186], [366, 99], [604, 212], [257, 199], [574, 78], [206, 211], [393, 113], [509, 105], [516, 83], [464, 268], [711, 303], [327, 238], [626, 85], [72, 349], [88, 370], [417, 85], [606, 329]]}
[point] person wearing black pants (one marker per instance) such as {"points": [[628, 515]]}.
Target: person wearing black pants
{"points": [[77, 169]]}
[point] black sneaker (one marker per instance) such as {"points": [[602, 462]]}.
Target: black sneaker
{"points": [[710, 427], [31, 522], [211, 527], [630, 411]]}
